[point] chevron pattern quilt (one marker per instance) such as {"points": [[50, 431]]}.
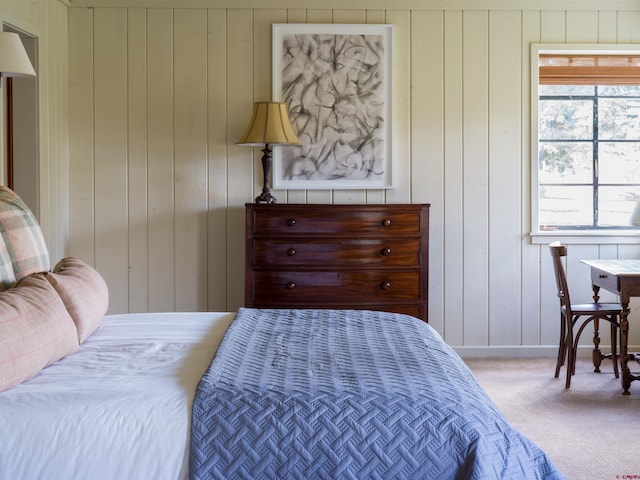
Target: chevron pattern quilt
{"points": [[332, 394]]}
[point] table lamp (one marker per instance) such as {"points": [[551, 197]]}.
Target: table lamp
{"points": [[269, 125], [635, 216]]}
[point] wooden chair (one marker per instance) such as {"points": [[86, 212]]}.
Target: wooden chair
{"points": [[570, 315]]}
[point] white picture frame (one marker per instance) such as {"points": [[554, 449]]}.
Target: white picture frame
{"points": [[336, 82]]}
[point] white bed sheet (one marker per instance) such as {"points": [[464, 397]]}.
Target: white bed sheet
{"points": [[119, 408]]}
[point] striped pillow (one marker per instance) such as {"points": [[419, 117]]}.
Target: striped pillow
{"points": [[7, 278], [22, 236], [35, 330]]}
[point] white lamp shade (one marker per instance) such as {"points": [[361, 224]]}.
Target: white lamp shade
{"points": [[635, 216], [14, 61]]}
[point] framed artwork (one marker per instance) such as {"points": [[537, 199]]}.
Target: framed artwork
{"points": [[336, 82]]}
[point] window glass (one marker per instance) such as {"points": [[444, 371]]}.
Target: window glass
{"points": [[566, 162], [619, 162], [619, 118], [565, 205], [616, 205], [565, 119], [623, 90], [565, 90]]}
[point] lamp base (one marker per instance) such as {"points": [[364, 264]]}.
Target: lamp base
{"points": [[266, 197]]}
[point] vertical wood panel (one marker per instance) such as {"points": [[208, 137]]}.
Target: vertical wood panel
{"points": [[453, 248], [160, 118], [56, 206], [550, 313], [505, 165], [582, 27], [552, 26], [607, 27], [427, 149], [137, 154], [530, 316], [82, 239], [111, 154], [296, 15], [475, 180], [190, 67], [628, 31], [240, 170], [401, 153], [217, 232]]}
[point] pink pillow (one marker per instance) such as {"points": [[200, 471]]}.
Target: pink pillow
{"points": [[35, 330], [83, 292]]}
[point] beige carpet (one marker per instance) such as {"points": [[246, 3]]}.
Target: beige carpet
{"points": [[591, 431]]}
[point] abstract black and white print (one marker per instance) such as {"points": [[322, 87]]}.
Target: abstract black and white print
{"points": [[334, 86]]}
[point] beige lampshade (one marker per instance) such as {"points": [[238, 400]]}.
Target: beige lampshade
{"points": [[14, 61], [635, 216], [269, 125]]}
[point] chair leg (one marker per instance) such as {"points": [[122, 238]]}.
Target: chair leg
{"points": [[614, 345], [571, 351], [562, 346]]}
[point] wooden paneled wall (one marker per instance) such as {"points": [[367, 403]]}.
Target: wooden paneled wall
{"points": [[160, 94]]}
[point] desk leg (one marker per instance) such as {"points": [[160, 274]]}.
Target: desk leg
{"points": [[624, 340], [596, 354]]}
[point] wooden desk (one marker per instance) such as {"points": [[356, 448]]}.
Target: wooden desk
{"points": [[621, 277]]}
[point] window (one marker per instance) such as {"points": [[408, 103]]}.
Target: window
{"points": [[586, 141]]}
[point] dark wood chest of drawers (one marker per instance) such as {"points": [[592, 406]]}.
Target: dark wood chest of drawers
{"points": [[373, 257]]}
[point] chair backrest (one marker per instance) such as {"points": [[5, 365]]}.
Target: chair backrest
{"points": [[557, 252]]}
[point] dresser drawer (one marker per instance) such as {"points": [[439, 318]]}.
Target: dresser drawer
{"points": [[341, 221], [355, 286], [373, 257], [342, 252]]}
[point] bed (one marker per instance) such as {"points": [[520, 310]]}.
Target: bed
{"points": [[258, 393], [142, 399]]}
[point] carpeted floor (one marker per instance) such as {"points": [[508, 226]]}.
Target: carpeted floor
{"points": [[591, 431]]}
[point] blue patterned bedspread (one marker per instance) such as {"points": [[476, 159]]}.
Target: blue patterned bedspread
{"points": [[329, 394]]}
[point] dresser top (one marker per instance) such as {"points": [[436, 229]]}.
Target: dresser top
{"points": [[343, 206]]}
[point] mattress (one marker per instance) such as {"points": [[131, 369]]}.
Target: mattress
{"points": [[119, 408], [330, 394]]}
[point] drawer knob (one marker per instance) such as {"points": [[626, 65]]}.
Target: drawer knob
{"points": [[291, 285], [291, 251], [385, 285], [291, 222], [386, 251], [386, 222], [602, 275]]}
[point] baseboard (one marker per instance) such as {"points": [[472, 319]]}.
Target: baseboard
{"points": [[521, 351]]}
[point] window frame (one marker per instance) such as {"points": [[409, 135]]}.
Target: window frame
{"points": [[584, 236]]}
